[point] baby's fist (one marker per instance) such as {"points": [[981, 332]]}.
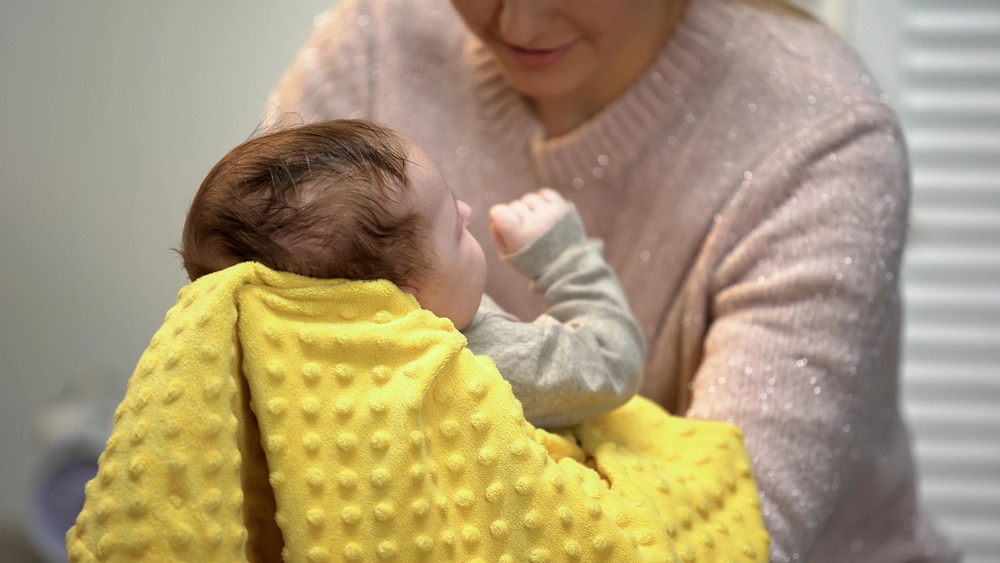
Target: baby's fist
{"points": [[521, 222]]}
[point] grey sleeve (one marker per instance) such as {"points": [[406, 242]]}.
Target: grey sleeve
{"points": [[584, 356]]}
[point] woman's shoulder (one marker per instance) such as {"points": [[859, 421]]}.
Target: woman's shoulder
{"points": [[802, 61], [430, 27], [777, 79]]}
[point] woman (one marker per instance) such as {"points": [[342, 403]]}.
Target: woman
{"points": [[751, 189]]}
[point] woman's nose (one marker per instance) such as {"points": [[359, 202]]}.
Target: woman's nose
{"points": [[521, 22]]}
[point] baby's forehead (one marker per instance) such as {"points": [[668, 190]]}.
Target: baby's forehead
{"points": [[426, 183], [437, 206]]}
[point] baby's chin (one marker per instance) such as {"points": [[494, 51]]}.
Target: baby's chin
{"points": [[462, 324], [463, 319]]}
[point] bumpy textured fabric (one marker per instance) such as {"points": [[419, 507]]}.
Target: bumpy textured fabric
{"points": [[281, 417], [751, 191]]}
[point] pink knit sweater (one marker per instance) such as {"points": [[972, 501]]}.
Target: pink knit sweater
{"points": [[752, 192]]}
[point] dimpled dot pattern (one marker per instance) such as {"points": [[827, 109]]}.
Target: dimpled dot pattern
{"points": [[276, 417]]}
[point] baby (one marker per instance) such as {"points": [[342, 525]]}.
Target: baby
{"points": [[352, 199]]}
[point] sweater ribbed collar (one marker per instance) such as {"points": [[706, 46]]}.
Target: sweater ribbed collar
{"points": [[617, 135]]}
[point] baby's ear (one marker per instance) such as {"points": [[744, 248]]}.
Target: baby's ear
{"points": [[408, 289]]}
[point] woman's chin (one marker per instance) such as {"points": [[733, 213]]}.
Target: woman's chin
{"points": [[540, 86]]}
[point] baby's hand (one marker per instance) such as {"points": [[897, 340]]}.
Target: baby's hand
{"points": [[517, 224]]}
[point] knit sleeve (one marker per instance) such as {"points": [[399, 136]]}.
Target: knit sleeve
{"points": [[331, 74], [584, 356], [802, 346]]}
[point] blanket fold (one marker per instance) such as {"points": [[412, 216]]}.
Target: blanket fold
{"points": [[275, 417]]}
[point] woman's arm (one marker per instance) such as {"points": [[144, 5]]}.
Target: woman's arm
{"points": [[802, 348]]}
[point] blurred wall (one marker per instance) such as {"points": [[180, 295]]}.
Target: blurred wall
{"points": [[111, 113]]}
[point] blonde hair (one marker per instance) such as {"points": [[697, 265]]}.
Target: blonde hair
{"points": [[781, 7]]}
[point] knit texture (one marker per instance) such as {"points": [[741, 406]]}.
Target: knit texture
{"points": [[276, 416], [751, 190]]}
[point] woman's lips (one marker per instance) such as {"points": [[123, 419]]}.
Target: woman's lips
{"points": [[538, 58]]}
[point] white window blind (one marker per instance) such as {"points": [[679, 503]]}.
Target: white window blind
{"points": [[941, 61]]}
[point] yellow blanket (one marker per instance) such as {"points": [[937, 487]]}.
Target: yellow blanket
{"points": [[280, 417]]}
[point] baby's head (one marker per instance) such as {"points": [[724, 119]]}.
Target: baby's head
{"points": [[339, 199]]}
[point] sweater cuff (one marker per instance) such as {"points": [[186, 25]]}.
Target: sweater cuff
{"points": [[534, 258]]}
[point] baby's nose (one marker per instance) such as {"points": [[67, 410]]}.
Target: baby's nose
{"points": [[465, 211]]}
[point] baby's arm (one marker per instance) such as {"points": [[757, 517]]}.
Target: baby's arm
{"points": [[584, 356]]}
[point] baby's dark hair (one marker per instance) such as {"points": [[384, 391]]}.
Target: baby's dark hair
{"points": [[325, 200]]}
